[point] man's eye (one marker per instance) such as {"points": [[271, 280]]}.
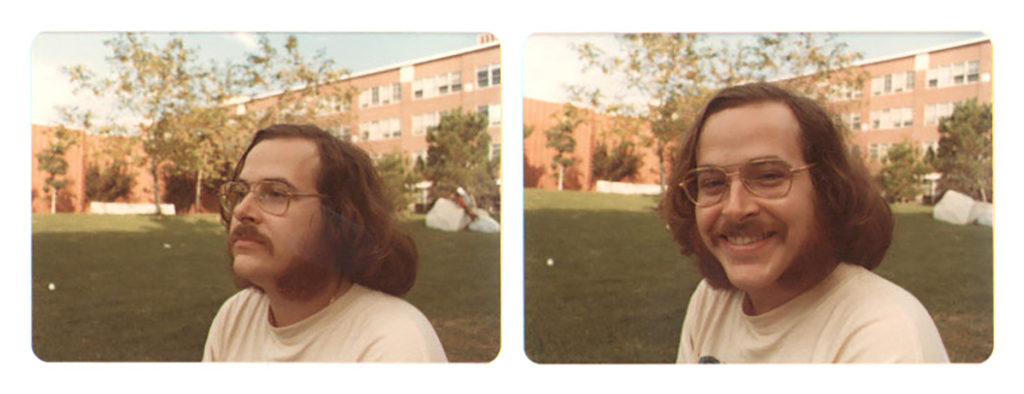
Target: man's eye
{"points": [[275, 192], [711, 182]]}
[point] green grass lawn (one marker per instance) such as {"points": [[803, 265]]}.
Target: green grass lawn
{"points": [[144, 288], [617, 289]]}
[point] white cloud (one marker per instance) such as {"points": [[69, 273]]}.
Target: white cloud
{"points": [[248, 40]]}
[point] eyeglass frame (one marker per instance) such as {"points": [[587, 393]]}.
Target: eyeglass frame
{"points": [[229, 211], [737, 169]]}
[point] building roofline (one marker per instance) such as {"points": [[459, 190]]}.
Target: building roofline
{"points": [[388, 67], [934, 48]]}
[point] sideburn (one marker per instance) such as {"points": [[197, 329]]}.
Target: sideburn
{"points": [[309, 274]]}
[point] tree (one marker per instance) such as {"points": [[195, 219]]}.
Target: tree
{"points": [[965, 150], [560, 138], [675, 74], [902, 171], [457, 155], [110, 182], [398, 177], [615, 163], [52, 161], [185, 113], [153, 85]]}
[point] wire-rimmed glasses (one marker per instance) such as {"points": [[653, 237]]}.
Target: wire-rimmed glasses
{"points": [[273, 197], [765, 178]]}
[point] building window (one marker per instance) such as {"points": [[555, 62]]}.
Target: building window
{"points": [[342, 132], [852, 121], [437, 85], [892, 83], [381, 129], [933, 113], [892, 118], [492, 112], [954, 74], [423, 122], [495, 152], [489, 75]]}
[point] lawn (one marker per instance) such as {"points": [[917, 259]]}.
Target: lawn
{"points": [[617, 288], [144, 288]]}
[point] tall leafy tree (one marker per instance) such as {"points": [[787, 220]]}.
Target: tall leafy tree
{"points": [[152, 84], [398, 176], [903, 169], [675, 74], [965, 150], [560, 138], [52, 161], [186, 113], [457, 155]]}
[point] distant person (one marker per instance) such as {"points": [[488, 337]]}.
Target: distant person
{"points": [[785, 227], [319, 257]]}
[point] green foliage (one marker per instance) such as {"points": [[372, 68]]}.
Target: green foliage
{"points": [[902, 172], [109, 183], [677, 73], [179, 109], [398, 177], [52, 161], [560, 138], [457, 156], [965, 150], [616, 163]]}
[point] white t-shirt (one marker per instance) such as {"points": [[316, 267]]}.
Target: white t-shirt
{"points": [[853, 315], [362, 325]]}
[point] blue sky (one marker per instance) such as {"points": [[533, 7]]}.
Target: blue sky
{"points": [[353, 51]]}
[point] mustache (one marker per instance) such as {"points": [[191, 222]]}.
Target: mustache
{"points": [[248, 232], [734, 227]]}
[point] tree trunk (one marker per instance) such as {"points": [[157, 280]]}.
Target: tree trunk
{"points": [[156, 186], [561, 176], [661, 166], [53, 201], [199, 188]]}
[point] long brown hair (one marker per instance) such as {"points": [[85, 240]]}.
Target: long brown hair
{"points": [[362, 234], [856, 220]]}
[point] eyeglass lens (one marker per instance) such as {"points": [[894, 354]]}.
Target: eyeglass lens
{"points": [[272, 197], [767, 179]]}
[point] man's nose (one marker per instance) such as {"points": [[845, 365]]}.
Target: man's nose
{"points": [[246, 209], [739, 201]]}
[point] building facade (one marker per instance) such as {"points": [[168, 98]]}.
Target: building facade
{"points": [[909, 93], [391, 113]]}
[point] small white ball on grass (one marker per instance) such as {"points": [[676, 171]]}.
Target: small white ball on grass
{"points": [[52, 286], [551, 261]]}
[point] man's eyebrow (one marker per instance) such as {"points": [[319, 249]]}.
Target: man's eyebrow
{"points": [[271, 179], [759, 158]]}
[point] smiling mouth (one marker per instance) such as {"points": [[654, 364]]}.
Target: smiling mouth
{"points": [[747, 239]]}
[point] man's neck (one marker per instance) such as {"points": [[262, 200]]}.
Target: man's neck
{"points": [[285, 311]]}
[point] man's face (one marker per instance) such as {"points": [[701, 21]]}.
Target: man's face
{"points": [[276, 252], [756, 239]]}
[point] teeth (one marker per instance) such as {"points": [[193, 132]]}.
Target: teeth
{"points": [[745, 239]]}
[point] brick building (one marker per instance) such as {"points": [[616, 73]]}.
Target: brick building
{"points": [[395, 106], [908, 93], [903, 100]]}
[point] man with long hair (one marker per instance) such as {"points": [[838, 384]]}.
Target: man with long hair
{"points": [[322, 264], [785, 227]]}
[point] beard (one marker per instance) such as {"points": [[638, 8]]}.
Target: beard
{"points": [[814, 261], [304, 276]]}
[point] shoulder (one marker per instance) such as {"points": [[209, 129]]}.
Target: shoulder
{"points": [[396, 330], [884, 322], [705, 298], [244, 300]]}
